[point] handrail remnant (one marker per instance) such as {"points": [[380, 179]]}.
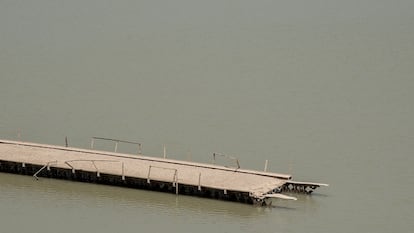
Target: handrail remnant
{"points": [[93, 163], [175, 177], [226, 156], [46, 165], [117, 141]]}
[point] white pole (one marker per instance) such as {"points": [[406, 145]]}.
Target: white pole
{"points": [[165, 152], [265, 168], [116, 146]]}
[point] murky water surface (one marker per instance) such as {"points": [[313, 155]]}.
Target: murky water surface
{"points": [[322, 89]]}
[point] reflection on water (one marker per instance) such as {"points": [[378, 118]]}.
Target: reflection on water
{"points": [[39, 197], [89, 204], [63, 193]]}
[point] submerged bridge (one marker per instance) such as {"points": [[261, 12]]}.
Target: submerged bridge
{"points": [[143, 172]]}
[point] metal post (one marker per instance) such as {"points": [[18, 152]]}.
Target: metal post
{"points": [[66, 141], [123, 173], [176, 183], [116, 146], [165, 152], [149, 172], [96, 168], [139, 149], [92, 142], [199, 181], [238, 164], [174, 178], [265, 168]]}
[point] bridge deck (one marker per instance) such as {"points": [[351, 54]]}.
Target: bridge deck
{"points": [[190, 173]]}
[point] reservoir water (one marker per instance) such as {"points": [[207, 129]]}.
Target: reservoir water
{"points": [[321, 89]]}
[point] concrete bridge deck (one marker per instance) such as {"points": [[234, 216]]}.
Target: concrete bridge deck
{"points": [[255, 184]]}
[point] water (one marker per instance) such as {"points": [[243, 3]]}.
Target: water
{"points": [[323, 90]]}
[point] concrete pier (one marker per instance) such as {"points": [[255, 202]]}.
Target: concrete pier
{"points": [[143, 172]]}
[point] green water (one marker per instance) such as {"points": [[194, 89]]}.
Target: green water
{"points": [[321, 89]]}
